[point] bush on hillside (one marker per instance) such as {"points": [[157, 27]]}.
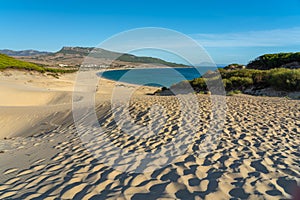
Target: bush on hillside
{"points": [[285, 79], [271, 61], [10, 62], [236, 82], [280, 79]]}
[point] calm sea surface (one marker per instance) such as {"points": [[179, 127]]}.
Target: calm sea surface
{"points": [[157, 77]]}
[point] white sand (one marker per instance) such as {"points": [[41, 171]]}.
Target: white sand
{"points": [[257, 156]]}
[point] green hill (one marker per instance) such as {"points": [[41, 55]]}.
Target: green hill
{"points": [[278, 60], [10, 62]]}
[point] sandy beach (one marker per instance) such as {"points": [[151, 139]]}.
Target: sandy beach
{"points": [[43, 157]]}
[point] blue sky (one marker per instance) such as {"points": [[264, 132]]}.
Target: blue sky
{"points": [[231, 30]]}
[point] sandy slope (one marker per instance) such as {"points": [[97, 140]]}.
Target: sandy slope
{"points": [[29, 101], [256, 156]]}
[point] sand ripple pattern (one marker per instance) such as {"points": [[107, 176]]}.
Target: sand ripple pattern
{"points": [[256, 157]]}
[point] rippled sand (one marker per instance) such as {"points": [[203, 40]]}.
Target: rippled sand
{"points": [[256, 154]]}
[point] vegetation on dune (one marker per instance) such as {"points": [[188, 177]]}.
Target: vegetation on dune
{"points": [[59, 70], [10, 62], [271, 61], [279, 79], [278, 71], [233, 92], [285, 79]]}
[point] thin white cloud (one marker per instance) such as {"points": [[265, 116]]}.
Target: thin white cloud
{"points": [[266, 38]]}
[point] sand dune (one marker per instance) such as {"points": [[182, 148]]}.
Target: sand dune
{"points": [[256, 156]]}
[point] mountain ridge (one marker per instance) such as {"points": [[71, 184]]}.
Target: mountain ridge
{"points": [[75, 56], [28, 52]]}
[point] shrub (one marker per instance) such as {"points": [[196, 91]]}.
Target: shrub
{"points": [[240, 82], [233, 92], [164, 88], [227, 83], [240, 73], [57, 70], [259, 77], [199, 83], [285, 79]]}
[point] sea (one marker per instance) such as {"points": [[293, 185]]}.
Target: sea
{"points": [[156, 77]]}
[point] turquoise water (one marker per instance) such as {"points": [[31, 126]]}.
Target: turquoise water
{"points": [[157, 77]]}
